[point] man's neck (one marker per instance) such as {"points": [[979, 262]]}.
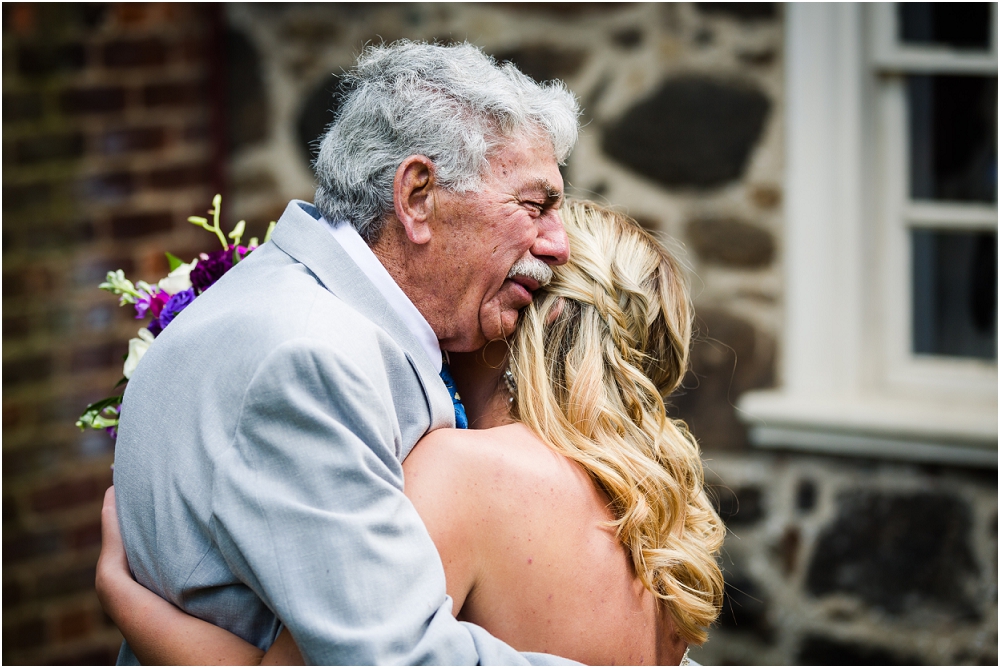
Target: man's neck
{"points": [[400, 302], [390, 255], [406, 265]]}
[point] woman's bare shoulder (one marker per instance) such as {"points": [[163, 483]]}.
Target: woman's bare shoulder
{"points": [[442, 453], [455, 460], [511, 457], [514, 455]]}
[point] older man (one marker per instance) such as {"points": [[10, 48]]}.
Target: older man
{"points": [[258, 462]]}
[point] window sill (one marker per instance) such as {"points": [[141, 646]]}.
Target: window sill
{"points": [[889, 428]]}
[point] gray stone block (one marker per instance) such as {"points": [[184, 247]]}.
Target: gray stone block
{"points": [[745, 609], [731, 242], [692, 131], [315, 114], [899, 552], [246, 97], [820, 651]]}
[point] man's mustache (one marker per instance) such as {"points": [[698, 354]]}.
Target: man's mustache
{"points": [[533, 268]]}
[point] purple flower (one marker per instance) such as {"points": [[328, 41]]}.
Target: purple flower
{"points": [[152, 303], [142, 305], [176, 304], [210, 268]]}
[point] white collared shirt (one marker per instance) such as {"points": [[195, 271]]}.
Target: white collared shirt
{"points": [[362, 255]]}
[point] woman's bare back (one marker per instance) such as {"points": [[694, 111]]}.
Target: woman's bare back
{"points": [[521, 532], [523, 535]]}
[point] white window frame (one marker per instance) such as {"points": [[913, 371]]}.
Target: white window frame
{"points": [[849, 381]]}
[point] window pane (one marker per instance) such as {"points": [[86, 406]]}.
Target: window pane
{"points": [[953, 137], [955, 293], [960, 25]]}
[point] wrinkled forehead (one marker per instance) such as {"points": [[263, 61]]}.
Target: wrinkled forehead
{"points": [[525, 162]]}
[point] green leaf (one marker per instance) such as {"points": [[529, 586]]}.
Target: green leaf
{"points": [[104, 403], [174, 261], [123, 380], [92, 417]]}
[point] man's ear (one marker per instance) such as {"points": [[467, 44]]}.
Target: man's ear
{"points": [[413, 197]]}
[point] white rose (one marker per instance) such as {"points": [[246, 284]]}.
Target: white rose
{"points": [[179, 279], [136, 349]]}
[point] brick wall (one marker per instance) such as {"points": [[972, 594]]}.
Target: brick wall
{"points": [[107, 148]]}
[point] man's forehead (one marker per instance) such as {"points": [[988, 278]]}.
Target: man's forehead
{"points": [[528, 160], [537, 178]]}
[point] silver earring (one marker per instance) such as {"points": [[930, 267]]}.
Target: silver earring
{"points": [[508, 378]]}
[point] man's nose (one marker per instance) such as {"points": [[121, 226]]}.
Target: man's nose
{"points": [[551, 245]]}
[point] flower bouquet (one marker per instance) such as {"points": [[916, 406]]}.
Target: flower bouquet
{"points": [[162, 302]]}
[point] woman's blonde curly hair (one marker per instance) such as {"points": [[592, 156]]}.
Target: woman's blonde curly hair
{"points": [[592, 360]]}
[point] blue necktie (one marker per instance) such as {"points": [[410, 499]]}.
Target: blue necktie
{"points": [[461, 419]]}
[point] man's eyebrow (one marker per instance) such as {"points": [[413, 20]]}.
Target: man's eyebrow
{"points": [[553, 195]]}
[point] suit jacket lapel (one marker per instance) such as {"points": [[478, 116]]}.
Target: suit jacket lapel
{"points": [[302, 235]]}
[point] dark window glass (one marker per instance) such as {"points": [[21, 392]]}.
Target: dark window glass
{"points": [[953, 137], [960, 25], [955, 293]]}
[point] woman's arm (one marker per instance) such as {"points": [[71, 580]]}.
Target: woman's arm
{"points": [[162, 634], [158, 632]]}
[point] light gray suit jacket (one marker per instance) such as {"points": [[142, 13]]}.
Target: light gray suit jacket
{"points": [[258, 472]]}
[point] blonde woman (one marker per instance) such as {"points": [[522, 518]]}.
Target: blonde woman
{"points": [[573, 520]]}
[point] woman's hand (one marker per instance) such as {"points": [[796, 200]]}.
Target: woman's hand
{"points": [[112, 564], [157, 632]]}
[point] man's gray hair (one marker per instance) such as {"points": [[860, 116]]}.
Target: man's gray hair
{"points": [[453, 104]]}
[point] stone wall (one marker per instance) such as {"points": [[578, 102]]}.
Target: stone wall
{"points": [[828, 560], [849, 562], [683, 129]]}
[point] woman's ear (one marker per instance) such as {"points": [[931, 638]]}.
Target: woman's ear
{"points": [[413, 197]]}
